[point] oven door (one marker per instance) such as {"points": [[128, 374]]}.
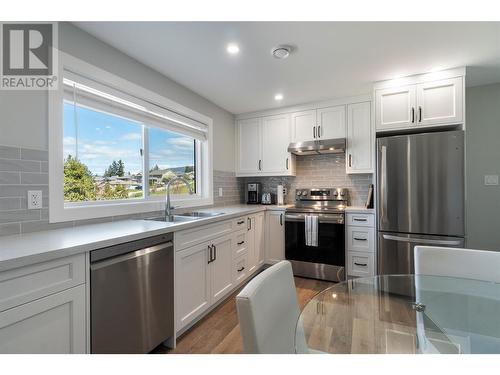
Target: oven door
{"points": [[330, 249]]}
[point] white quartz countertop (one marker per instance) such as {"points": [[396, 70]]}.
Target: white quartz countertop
{"points": [[360, 209], [21, 250]]}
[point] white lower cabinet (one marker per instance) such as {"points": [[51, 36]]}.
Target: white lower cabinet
{"points": [[275, 236], [256, 243], [53, 324], [192, 283], [360, 244], [221, 277]]}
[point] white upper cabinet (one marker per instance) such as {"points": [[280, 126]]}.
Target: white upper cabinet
{"points": [[424, 100], [262, 146], [304, 126], [331, 122], [360, 139], [275, 141], [249, 143], [440, 102], [395, 107]]}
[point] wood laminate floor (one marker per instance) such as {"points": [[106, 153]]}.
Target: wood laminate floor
{"points": [[219, 331]]}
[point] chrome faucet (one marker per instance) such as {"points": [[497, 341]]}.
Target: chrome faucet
{"points": [[168, 208]]}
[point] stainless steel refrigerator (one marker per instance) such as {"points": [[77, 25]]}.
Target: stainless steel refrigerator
{"points": [[420, 196]]}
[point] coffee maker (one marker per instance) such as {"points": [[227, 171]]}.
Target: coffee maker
{"points": [[253, 193]]}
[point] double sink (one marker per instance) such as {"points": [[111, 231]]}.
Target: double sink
{"points": [[187, 216]]}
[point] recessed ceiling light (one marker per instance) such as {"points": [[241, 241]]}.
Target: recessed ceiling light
{"points": [[278, 97], [281, 52], [232, 49]]}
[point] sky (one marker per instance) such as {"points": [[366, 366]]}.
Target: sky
{"points": [[103, 138]]}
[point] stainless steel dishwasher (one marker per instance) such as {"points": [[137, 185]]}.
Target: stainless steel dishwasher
{"points": [[132, 295]]}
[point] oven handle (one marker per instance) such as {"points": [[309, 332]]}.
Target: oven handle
{"points": [[322, 219]]}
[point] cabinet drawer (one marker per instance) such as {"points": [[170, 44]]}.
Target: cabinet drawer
{"points": [[240, 244], [240, 223], [191, 237], [364, 220], [240, 268], [360, 264], [361, 239], [26, 284]]}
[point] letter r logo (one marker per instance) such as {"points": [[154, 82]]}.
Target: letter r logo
{"points": [[27, 49]]}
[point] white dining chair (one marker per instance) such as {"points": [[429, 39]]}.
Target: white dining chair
{"points": [[453, 262], [268, 312]]}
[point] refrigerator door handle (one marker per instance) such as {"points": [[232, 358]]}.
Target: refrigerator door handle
{"points": [[421, 240]]}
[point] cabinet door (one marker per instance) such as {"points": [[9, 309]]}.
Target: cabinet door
{"points": [[192, 283], [259, 238], [221, 268], [395, 107], [252, 258], [331, 122], [440, 102], [303, 124], [275, 141], [360, 140], [249, 145], [54, 324], [275, 232]]}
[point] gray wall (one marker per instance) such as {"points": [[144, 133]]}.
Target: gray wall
{"points": [[483, 157], [24, 113]]}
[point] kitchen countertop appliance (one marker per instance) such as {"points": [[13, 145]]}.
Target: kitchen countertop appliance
{"points": [[324, 257], [254, 193], [132, 296], [420, 196]]}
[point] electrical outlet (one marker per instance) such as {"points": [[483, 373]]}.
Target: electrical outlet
{"points": [[285, 191], [34, 199], [491, 179], [220, 192]]}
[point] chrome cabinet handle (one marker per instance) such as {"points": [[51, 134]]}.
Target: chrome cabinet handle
{"points": [[412, 115], [419, 113], [361, 239], [281, 219], [215, 252], [249, 224], [360, 264], [240, 222], [350, 160], [319, 131], [286, 163], [210, 260], [241, 269], [241, 243], [356, 219], [260, 165], [314, 132]]}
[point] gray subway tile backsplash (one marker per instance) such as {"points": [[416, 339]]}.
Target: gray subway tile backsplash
{"points": [[29, 154], [8, 152], [16, 165]]}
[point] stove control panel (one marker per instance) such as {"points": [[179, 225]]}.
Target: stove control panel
{"points": [[321, 194]]}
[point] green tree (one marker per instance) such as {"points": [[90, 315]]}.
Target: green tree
{"points": [[116, 168], [119, 192], [167, 176], [188, 169], [78, 181]]}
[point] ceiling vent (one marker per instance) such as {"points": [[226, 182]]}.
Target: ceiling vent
{"points": [[281, 52]]}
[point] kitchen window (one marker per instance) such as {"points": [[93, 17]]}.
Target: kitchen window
{"points": [[113, 149]]}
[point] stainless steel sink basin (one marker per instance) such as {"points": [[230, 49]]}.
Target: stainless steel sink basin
{"points": [[174, 219], [200, 214]]}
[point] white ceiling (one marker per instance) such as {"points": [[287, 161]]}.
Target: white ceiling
{"points": [[332, 59]]}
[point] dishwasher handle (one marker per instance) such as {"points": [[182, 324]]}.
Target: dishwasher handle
{"points": [[134, 254]]}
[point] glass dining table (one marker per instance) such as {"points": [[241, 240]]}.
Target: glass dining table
{"points": [[402, 314]]}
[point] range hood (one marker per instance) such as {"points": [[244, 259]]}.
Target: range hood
{"points": [[323, 146]]}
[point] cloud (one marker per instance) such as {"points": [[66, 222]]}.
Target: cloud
{"points": [[131, 137]]}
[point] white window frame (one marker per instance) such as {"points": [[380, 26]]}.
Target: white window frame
{"points": [[60, 211]]}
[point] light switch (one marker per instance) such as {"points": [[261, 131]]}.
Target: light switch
{"points": [[491, 179]]}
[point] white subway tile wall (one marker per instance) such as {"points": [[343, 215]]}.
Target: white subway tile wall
{"points": [[319, 171], [25, 169]]}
